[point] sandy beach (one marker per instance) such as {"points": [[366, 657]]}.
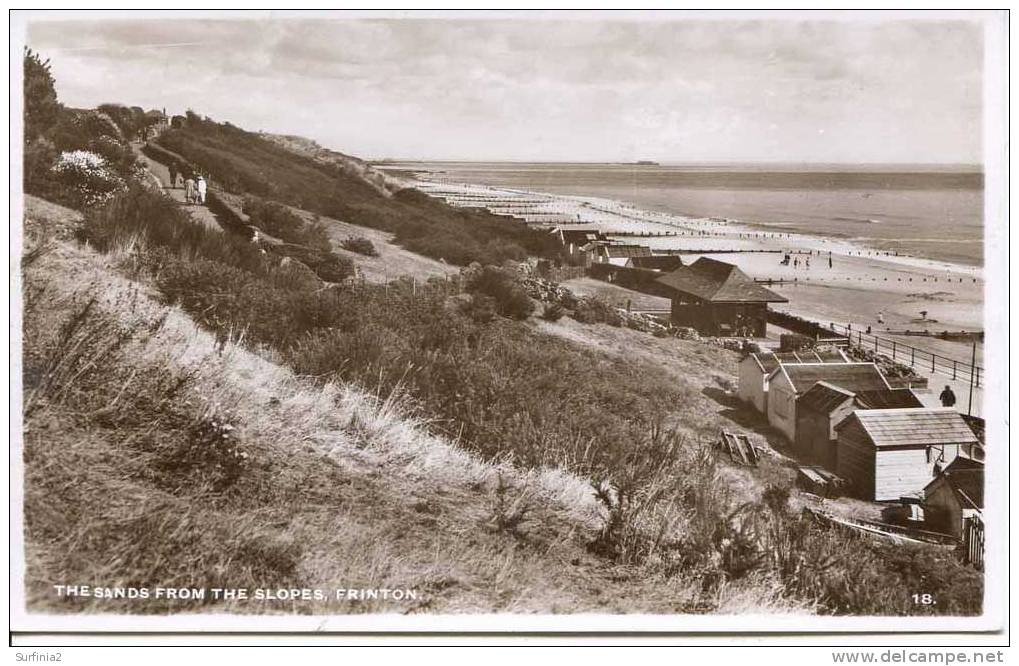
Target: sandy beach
{"points": [[863, 287]]}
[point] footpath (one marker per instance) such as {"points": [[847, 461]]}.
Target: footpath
{"points": [[161, 175]]}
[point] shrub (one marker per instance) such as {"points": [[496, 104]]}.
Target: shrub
{"points": [[210, 453], [360, 245], [481, 308], [41, 105], [87, 176], [511, 299], [283, 223], [552, 312], [593, 310]]}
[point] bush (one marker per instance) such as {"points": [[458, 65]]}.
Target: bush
{"points": [[283, 223], [592, 310], [87, 177], [41, 105], [511, 299], [360, 245], [552, 312], [210, 453], [481, 308]]}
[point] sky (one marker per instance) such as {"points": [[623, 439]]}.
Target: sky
{"points": [[551, 90]]}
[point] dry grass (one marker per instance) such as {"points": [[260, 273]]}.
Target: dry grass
{"points": [[346, 489], [394, 507]]}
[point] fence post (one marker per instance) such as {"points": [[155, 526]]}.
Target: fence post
{"points": [[933, 356], [954, 364], [893, 350], [912, 357]]}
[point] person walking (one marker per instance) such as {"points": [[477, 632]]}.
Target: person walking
{"points": [[829, 260], [173, 176], [189, 190], [202, 188], [947, 397]]}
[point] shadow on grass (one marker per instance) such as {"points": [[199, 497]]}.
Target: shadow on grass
{"points": [[748, 418]]}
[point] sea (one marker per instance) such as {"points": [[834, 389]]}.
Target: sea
{"points": [[935, 212]]}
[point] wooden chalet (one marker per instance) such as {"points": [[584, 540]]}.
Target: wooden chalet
{"points": [[825, 405], [954, 497], [789, 381], [887, 454], [665, 263], [717, 298], [755, 368], [574, 238], [619, 254]]}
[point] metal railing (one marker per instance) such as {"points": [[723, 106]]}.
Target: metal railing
{"points": [[915, 357]]}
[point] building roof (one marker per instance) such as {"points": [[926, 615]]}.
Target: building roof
{"points": [[718, 282], [658, 262], [619, 251], [578, 235], [852, 377], [887, 399], [965, 477], [823, 397], [768, 361], [921, 426]]}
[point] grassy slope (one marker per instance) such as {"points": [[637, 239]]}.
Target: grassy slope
{"points": [[347, 490], [243, 162]]}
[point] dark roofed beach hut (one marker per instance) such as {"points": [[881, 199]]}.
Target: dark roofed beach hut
{"points": [[789, 381], [822, 407], [717, 298]]}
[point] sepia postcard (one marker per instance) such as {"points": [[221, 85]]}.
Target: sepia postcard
{"points": [[509, 321]]}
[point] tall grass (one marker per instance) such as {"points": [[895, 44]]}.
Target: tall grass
{"points": [[512, 395]]}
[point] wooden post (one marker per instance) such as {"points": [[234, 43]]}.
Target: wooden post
{"points": [[954, 368], [912, 357], [893, 350]]}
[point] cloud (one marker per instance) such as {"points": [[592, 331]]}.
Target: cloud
{"points": [[689, 90]]}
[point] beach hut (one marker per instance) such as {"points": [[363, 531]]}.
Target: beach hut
{"points": [[789, 381], [887, 454], [717, 298], [665, 263], [619, 255], [755, 368], [825, 405], [955, 496], [573, 238]]}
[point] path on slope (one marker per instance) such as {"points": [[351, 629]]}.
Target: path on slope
{"points": [[161, 174]]}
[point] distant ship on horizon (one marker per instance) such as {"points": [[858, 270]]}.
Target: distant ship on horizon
{"points": [[646, 163]]}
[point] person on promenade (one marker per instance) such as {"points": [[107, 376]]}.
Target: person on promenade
{"points": [[202, 188], [829, 260], [947, 397], [173, 177], [189, 190]]}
